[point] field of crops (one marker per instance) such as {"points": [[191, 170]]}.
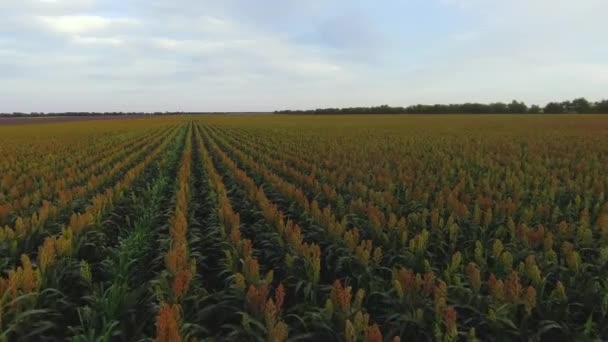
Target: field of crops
{"points": [[322, 228]]}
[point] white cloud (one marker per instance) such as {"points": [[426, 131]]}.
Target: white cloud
{"points": [[237, 49], [79, 24], [201, 47], [90, 40], [48, 6]]}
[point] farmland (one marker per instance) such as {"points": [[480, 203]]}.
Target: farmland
{"points": [[327, 228]]}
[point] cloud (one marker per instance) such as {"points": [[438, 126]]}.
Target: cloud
{"points": [[201, 47], [47, 7], [79, 24], [90, 40]]}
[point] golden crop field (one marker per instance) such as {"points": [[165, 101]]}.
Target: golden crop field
{"points": [[305, 228]]}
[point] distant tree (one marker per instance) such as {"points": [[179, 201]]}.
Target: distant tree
{"points": [[554, 108], [567, 107], [601, 107], [534, 109], [517, 107], [499, 108], [581, 105]]}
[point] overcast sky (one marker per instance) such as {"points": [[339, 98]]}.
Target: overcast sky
{"points": [[234, 55]]}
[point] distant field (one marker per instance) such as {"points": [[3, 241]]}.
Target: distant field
{"points": [[53, 119], [322, 228]]}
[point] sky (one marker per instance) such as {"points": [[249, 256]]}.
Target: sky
{"points": [[244, 55]]}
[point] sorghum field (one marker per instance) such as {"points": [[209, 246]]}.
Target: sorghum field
{"points": [[322, 228]]}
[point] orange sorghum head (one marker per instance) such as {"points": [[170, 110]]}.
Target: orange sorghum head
{"points": [[167, 323]]}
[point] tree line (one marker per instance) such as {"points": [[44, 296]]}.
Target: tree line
{"points": [[579, 105]]}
